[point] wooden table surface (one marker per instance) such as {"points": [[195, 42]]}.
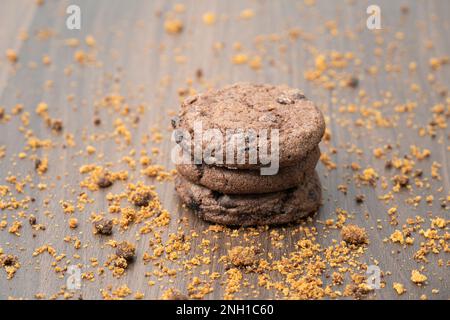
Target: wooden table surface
{"points": [[134, 57]]}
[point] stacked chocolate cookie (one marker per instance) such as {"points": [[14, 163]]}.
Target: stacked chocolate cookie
{"points": [[232, 188]]}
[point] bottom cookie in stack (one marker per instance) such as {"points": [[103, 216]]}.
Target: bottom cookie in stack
{"points": [[273, 208]]}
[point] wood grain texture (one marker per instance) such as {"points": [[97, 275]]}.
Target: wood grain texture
{"points": [[137, 59]]}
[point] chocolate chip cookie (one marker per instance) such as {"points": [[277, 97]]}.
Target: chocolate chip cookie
{"points": [[258, 107], [253, 209], [238, 181]]}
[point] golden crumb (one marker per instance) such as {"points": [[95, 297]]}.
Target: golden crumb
{"points": [[255, 62], [247, 14], [209, 18], [173, 26], [73, 223], [397, 236], [80, 56], [242, 256], [11, 55], [173, 294], [417, 277], [90, 150], [90, 41], [354, 235], [399, 288], [240, 58], [10, 263], [15, 228]]}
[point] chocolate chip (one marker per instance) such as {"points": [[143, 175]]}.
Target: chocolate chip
{"points": [[353, 82], [97, 121], [175, 121], [57, 125], [194, 205], [402, 180], [104, 181], [284, 100], [388, 164], [216, 195], [32, 220], [297, 95]]}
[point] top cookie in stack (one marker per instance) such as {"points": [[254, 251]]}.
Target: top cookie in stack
{"points": [[248, 154]]}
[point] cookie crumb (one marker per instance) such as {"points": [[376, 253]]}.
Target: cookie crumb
{"points": [[104, 181], [73, 223], [399, 288], [417, 277], [141, 197], [353, 82], [103, 227], [242, 256], [56, 125], [173, 294], [32, 220], [126, 250], [11, 55], [353, 234]]}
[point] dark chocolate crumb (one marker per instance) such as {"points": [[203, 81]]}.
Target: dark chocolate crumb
{"points": [[32, 220], [194, 205], [57, 125], [104, 227], [353, 82], [359, 198], [141, 198], [126, 250], [402, 180], [105, 181]]}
